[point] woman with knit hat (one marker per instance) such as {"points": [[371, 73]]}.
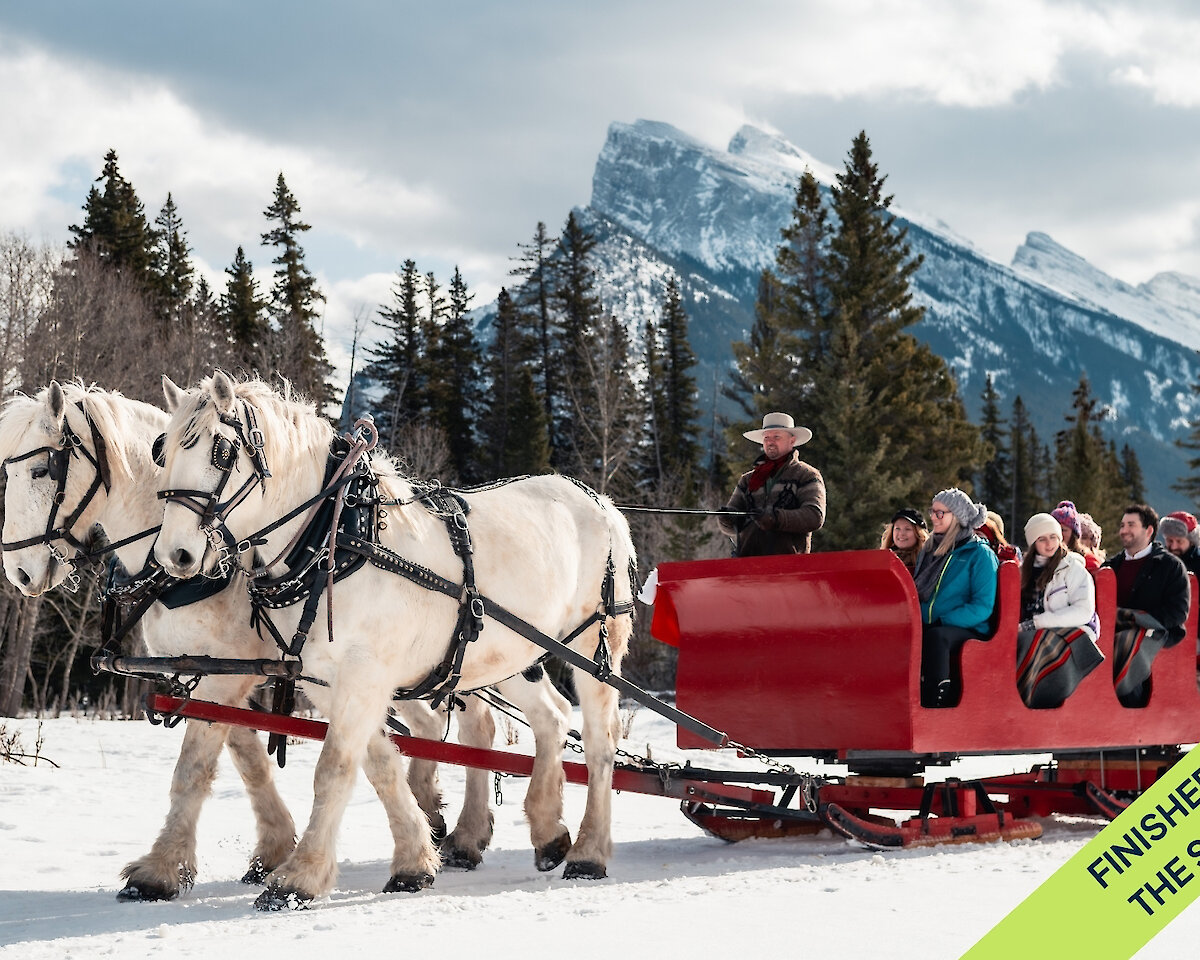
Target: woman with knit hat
{"points": [[955, 577], [1072, 527], [1056, 639]]}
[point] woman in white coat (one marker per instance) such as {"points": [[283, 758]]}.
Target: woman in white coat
{"points": [[1056, 639]]}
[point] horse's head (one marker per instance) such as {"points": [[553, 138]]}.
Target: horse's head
{"points": [[220, 441], [56, 474]]}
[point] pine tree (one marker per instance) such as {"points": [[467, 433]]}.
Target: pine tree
{"points": [[294, 298], [584, 335], [456, 360], [506, 356], [114, 228], [534, 299], [1189, 484], [830, 337], [1027, 466], [1131, 474], [995, 481], [1087, 470], [399, 357], [242, 311], [526, 448], [173, 266], [680, 432]]}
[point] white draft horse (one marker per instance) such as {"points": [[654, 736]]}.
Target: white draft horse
{"points": [[34, 428], [544, 549]]}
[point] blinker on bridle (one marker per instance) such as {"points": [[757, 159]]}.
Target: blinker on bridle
{"points": [[207, 505], [58, 463]]}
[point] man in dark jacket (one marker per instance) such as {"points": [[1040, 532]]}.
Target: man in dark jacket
{"points": [[1153, 594], [783, 495]]}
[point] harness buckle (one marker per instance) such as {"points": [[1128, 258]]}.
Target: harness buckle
{"points": [[257, 440], [477, 608], [244, 546]]}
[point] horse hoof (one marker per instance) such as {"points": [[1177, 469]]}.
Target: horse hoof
{"points": [[274, 899], [257, 874], [460, 857], [144, 893], [408, 882], [584, 870], [553, 853]]}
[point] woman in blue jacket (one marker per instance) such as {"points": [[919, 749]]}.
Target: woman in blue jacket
{"points": [[956, 581]]}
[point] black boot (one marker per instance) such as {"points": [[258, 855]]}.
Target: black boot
{"points": [[944, 695]]}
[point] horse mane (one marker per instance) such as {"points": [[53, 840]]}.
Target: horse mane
{"points": [[114, 415], [291, 426]]}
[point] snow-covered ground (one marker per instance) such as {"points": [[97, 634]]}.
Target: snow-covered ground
{"points": [[66, 831]]}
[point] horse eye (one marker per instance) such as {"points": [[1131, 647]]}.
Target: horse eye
{"points": [[38, 472]]}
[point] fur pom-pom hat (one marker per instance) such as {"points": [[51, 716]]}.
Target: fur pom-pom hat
{"points": [[1180, 524], [968, 514]]}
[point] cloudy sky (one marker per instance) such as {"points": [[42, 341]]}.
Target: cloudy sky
{"points": [[445, 131]]}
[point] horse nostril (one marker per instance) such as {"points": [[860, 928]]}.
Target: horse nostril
{"points": [[23, 577], [183, 559]]}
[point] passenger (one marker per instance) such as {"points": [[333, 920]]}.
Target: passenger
{"points": [[1181, 536], [1153, 595], [1056, 639], [905, 535], [956, 581], [993, 532], [1089, 542], [1068, 518], [784, 496]]}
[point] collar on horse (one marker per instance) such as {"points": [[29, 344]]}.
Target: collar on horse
{"points": [[70, 445]]}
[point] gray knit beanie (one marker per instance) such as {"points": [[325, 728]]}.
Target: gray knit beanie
{"points": [[970, 515]]}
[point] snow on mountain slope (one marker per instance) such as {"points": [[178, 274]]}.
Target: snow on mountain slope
{"points": [[1168, 304]]}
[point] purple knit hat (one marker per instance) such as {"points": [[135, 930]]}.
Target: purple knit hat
{"points": [[1066, 514]]}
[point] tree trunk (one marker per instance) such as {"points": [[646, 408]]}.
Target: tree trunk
{"points": [[22, 619]]}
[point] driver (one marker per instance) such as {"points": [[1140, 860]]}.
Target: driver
{"points": [[783, 495]]}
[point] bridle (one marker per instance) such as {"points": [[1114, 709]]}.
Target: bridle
{"points": [[59, 460], [208, 505]]}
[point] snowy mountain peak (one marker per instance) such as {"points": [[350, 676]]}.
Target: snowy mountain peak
{"points": [[771, 148], [1168, 305]]}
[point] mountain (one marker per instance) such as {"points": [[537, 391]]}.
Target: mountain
{"points": [[663, 202]]}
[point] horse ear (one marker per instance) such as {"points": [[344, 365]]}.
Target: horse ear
{"points": [[57, 402], [172, 393], [222, 391]]}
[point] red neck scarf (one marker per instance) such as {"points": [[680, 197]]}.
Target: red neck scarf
{"points": [[764, 471]]}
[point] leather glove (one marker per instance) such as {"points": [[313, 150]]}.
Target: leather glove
{"points": [[1026, 625], [1125, 616], [767, 520]]}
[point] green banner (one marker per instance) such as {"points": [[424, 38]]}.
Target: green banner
{"points": [[1129, 882]]}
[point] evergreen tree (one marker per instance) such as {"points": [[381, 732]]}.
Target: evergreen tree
{"points": [[294, 298], [242, 311], [506, 356], [526, 449], [115, 228], [830, 337], [1189, 484], [1027, 467], [584, 337], [455, 361], [399, 357], [1087, 471], [995, 481], [1131, 474], [680, 430], [173, 266], [535, 268]]}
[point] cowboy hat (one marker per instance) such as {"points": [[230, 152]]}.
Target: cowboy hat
{"points": [[779, 421]]}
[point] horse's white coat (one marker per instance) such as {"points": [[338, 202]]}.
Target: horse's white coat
{"points": [[541, 549]]}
